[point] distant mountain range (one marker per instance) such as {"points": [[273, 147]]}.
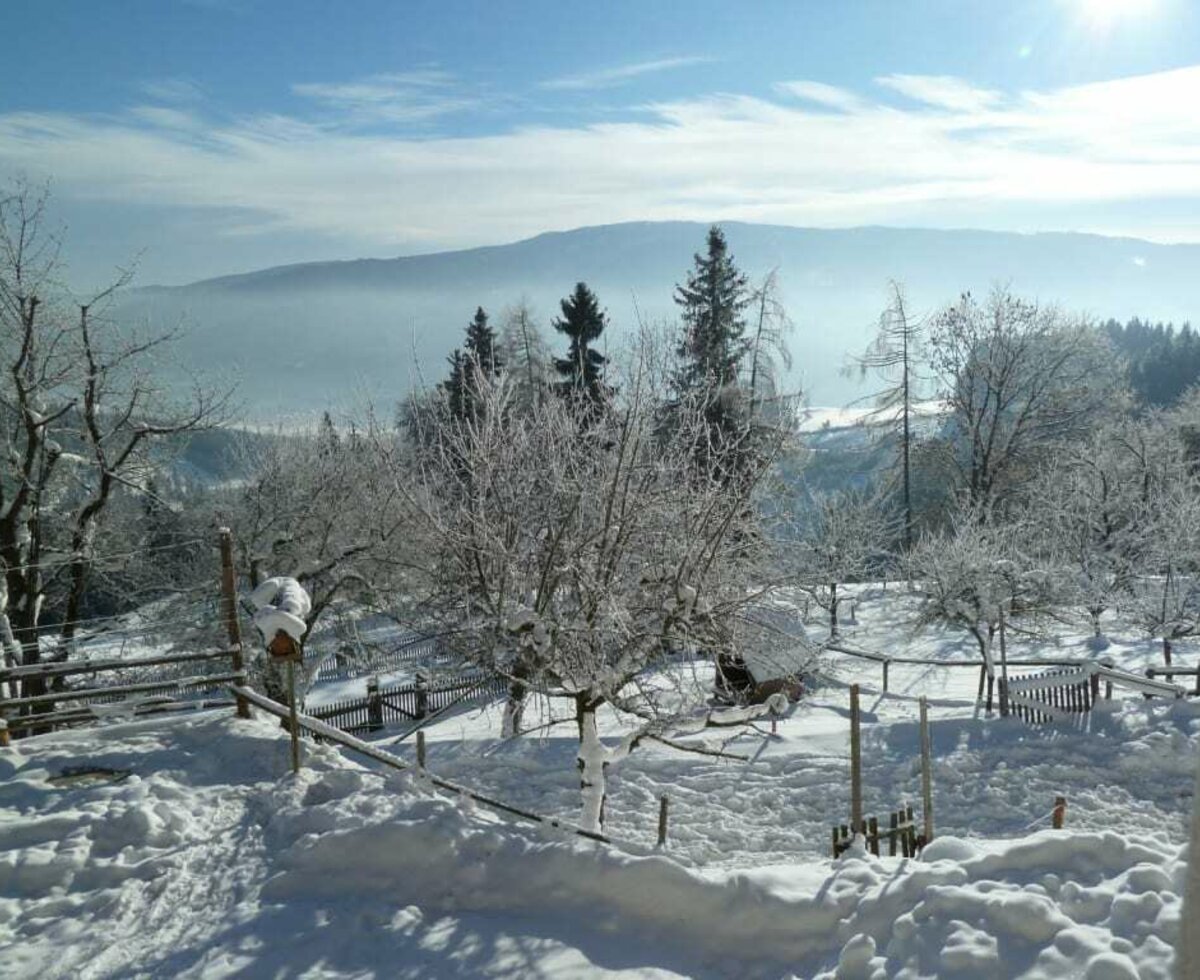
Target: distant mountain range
{"points": [[302, 338]]}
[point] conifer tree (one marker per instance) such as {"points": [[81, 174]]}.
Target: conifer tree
{"points": [[482, 346], [457, 398], [712, 301], [582, 370]]}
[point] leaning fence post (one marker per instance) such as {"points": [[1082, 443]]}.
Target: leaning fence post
{"points": [[1003, 668], [926, 770], [1059, 814], [662, 824], [233, 628], [856, 813]]}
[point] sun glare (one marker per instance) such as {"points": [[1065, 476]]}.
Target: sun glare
{"points": [[1105, 13]]}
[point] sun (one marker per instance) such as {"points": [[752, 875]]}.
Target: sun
{"points": [[1105, 13]]}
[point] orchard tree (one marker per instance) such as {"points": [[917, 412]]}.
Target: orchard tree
{"points": [[977, 576], [577, 562], [843, 537], [1019, 380]]}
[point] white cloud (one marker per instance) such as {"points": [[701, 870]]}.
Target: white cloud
{"points": [[957, 150], [942, 92], [391, 97], [821, 94], [608, 77]]}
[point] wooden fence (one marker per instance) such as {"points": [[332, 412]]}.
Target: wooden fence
{"points": [[900, 831], [366, 660], [1053, 696], [401, 704]]}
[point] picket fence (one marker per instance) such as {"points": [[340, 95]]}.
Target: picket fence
{"points": [[402, 704]]}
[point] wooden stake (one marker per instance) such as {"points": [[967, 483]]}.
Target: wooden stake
{"points": [[233, 628], [1060, 812], [1003, 668], [662, 824], [856, 805], [293, 721], [926, 770], [4, 736], [885, 676], [421, 748], [873, 835]]}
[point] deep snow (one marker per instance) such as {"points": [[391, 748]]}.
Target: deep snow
{"points": [[211, 860]]}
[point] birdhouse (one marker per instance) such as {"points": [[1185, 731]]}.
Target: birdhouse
{"points": [[283, 647]]}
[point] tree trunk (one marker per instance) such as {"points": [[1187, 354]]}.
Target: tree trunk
{"points": [[592, 765], [833, 604]]}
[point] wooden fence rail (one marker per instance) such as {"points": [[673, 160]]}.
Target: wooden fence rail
{"points": [[316, 726]]}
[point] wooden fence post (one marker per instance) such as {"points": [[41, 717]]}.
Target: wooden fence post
{"points": [[233, 628], [374, 705], [4, 736], [421, 748], [662, 823], [885, 676], [991, 681], [926, 770], [1003, 667], [293, 721], [1060, 812], [856, 804]]}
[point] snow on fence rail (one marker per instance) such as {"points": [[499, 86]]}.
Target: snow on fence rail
{"points": [[343, 666], [38, 711], [316, 726], [405, 703], [1104, 670]]}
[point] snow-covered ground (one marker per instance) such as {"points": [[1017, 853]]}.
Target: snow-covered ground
{"points": [[211, 860]]}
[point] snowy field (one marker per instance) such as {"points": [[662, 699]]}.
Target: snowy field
{"points": [[210, 860]]}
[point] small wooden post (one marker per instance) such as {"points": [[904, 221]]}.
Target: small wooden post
{"points": [[836, 841], [856, 805], [4, 736], [293, 721], [893, 822], [1060, 812], [926, 770], [422, 697], [421, 748], [911, 832], [991, 681], [873, 835], [662, 824], [1003, 668], [1094, 690], [885, 676], [233, 628]]}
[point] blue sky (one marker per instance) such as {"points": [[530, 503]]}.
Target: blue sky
{"points": [[220, 135]]}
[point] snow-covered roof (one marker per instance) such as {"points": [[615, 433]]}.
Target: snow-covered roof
{"points": [[781, 647]]}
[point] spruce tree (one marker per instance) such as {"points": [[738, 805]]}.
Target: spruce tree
{"points": [[482, 346], [457, 395], [582, 370], [712, 301]]}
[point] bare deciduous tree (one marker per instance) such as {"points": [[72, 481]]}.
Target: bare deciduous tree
{"points": [[1017, 379], [80, 407], [572, 560]]}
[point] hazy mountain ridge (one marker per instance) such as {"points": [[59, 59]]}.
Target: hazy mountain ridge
{"points": [[311, 335]]}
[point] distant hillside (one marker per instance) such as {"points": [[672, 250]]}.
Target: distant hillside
{"points": [[306, 337]]}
